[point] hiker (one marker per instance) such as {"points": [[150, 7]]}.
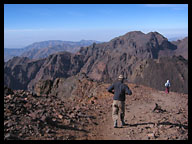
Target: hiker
{"points": [[119, 89], [167, 86]]}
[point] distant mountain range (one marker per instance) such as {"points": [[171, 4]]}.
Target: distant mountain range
{"points": [[176, 38], [45, 48], [145, 59], [9, 53]]}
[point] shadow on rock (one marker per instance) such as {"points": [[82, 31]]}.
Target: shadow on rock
{"points": [[57, 125], [173, 124], [162, 123]]}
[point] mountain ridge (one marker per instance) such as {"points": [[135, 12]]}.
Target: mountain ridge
{"points": [[182, 47], [125, 55], [43, 49]]}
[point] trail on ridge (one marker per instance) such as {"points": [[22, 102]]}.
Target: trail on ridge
{"points": [[143, 123]]}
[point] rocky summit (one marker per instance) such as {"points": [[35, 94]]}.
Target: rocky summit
{"points": [[83, 112]]}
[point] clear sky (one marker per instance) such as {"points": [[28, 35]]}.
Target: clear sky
{"points": [[28, 23]]}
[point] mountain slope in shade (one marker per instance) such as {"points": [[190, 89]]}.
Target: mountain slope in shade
{"points": [[182, 47], [63, 64], [155, 73], [19, 71], [23, 73]]}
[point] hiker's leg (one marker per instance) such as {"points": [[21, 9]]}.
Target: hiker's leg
{"points": [[122, 111], [115, 111], [167, 89]]}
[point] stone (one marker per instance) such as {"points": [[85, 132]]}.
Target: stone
{"points": [[151, 135], [33, 115], [60, 116], [92, 102]]}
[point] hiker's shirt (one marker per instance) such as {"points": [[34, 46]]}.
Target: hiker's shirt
{"points": [[120, 89], [167, 84]]}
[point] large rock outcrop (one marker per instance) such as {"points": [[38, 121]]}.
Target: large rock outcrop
{"points": [[22, 73]]}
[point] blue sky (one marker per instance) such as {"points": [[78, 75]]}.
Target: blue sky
{"points": [[28, 23]]}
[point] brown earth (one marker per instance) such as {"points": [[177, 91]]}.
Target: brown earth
{"points": [[143, 123], [87, 116]]}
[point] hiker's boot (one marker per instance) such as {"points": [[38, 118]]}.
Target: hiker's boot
{"points": [[122, 120], [123, 123], [115, 124]]}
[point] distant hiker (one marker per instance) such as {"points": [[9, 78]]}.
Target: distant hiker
{"points": [[167, 86], [119, 89]]}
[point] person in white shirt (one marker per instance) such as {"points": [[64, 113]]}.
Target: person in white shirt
{"points": [[167, 86]]}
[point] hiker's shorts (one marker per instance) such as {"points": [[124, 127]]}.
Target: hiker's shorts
{"points": [[118, 106]]}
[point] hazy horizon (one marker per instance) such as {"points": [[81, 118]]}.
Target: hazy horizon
{"points": [[172, 38], [25, 24]]}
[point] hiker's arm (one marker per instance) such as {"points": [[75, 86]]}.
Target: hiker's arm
{"points": [[128, 91], [110, 89]]}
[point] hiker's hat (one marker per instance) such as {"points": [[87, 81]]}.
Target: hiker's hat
{"points": [[120, 77]]}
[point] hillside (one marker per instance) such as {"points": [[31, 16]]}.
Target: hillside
{"points": [[120, 54], [146, 59], [142, 58], [85, 113], [23, 73], [182, 47]]}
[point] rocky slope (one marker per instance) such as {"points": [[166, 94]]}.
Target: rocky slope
{"points": [[135, 55], [182, 47], [85, 113], [22, 73], [154, 73], [18, 72], [122, 52], [146, 59]]}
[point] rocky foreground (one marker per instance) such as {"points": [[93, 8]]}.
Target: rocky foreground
{"points": [[150, 114]]}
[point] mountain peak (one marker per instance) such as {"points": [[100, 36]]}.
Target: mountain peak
{"points": [[157, 34], [134, 33], [140, 35]]}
